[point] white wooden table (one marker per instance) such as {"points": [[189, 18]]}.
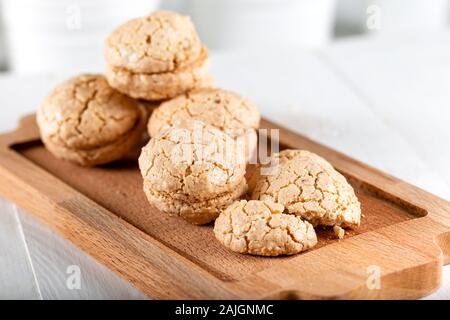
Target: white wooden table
{"points": [[384, 101]]}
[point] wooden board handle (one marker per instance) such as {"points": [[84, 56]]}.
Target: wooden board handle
{"points": [[26, 131], [443, 241]]}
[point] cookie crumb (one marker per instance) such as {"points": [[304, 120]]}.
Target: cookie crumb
{"points": [[339, 232]]}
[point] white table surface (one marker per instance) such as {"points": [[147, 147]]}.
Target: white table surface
{"points": [[383, 101]]}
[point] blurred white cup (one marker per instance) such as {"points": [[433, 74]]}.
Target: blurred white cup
{"points": [[351, 17], [64, 35], [396, 16], [260, 23], [174, 5]]}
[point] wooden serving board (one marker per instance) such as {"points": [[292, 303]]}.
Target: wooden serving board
{"points": [[404, 234]]}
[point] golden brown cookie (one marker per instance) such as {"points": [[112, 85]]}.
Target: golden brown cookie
{"points": [[192, 166], [308, 186], [156, 57], [260, 228], [225, 110], [194, 160], [160, 42], [85, 121]]}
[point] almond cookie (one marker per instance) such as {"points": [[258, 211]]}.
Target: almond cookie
{"points": [[85, 121], [225, 110], [192, 166], [260, 228], [156, 57], [308, 186]]}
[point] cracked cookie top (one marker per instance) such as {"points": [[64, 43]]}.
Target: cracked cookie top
{"points": [[193, 160], [260, 228], [86, 113], [308, 186], [160, 42], [222, 109]]}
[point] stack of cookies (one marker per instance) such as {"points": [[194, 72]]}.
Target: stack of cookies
{"points": [[202, 139], [193, 170], [92, 119], [212, 176], [156, 57]]}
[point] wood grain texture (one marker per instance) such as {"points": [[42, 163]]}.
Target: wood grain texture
{"points": [[53, 255], [399, 234], [313, 98], [17, 278]]}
